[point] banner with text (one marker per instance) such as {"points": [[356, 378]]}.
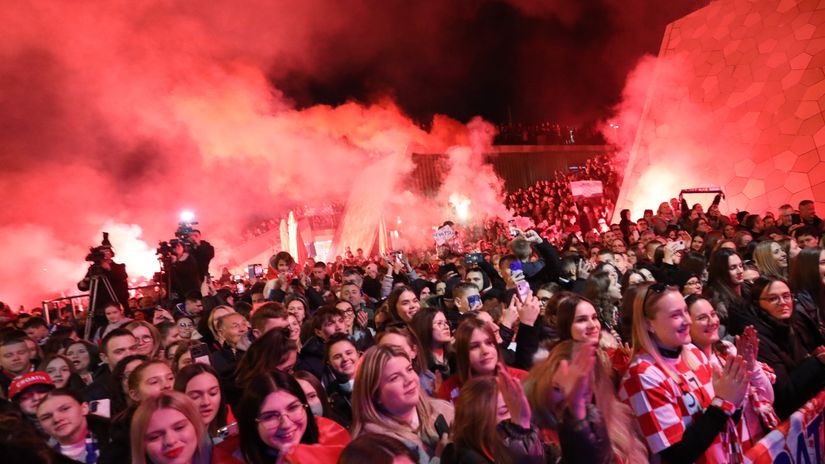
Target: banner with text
{"points": [[586, 188], [798, 440]]}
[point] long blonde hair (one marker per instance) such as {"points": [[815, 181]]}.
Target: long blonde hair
{"points": [[644, 309], [765, 261], [167, 400], [622, 428], [366, 390]]}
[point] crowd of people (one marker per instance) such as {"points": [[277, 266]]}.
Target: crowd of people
{"points": [[556, 213], [680, 336]]}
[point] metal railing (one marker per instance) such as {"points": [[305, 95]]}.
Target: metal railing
{"points": [[75, 300]]}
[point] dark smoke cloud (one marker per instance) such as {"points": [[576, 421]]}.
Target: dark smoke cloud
{"points": [[561, 60]]}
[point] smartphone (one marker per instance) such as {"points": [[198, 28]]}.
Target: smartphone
{"points": [[255, 271], [240, 287], [100, 408], [441, 426], [678, 245], [516, 271], [227, 431], [200, 354], [474, 302], [523, 289], [473, 259]]}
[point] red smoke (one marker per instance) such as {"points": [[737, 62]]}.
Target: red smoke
{"points": [[118, 115]]}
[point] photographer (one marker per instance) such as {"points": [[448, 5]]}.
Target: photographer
{"points": [[202, 251], [185, 271], [108, 270]]}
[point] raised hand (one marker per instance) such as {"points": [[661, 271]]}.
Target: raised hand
{"points": [[747, 346], [573, 379], [161, 315], [583, 269], [626, 349], [514, 398], [509, 314], [532, 236], [439, 379], [362, 318], [731, 384], [528, 312]]}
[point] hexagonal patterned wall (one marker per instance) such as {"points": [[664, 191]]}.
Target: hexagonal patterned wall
{"points": [[735, 100]]}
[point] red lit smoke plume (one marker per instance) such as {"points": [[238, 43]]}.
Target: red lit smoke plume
{"points": [[118, 115]]}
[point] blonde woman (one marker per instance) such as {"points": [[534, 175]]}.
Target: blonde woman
{"points": [[387, 399], [611, 431], [684, 413], [771, 259], [212, 322], [167, 429]]}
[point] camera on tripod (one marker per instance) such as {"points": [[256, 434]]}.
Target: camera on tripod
{"points": [[97, 254]]}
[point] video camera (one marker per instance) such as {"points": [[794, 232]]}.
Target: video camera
{"points": [[97, 254], [166, 248]]}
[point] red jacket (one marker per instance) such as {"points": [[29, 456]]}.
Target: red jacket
{"points": [[450, 388], [332, 438]]}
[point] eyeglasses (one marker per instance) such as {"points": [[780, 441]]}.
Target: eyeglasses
{"points": [[294, 412], [145, 339], [544, 301], [776, 299]]}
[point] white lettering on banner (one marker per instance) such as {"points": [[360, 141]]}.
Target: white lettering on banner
{"points": [[443, 234], [798, 440], [586, 188]]}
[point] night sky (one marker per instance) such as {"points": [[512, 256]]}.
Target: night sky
{"points": [[554, 60]]}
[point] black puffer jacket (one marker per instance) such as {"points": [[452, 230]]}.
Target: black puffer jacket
{"points": [[782, 346], [523, 446]]}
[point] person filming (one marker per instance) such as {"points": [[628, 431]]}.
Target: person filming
{"points": [[112, 282]]}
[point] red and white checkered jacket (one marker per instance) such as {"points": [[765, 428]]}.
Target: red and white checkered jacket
{"points": [[665, 407]]}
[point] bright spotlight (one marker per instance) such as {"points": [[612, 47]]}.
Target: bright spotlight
{"points": [[187, 216]]}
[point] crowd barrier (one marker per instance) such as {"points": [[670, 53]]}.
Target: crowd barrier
{"points": [[798, 440]]}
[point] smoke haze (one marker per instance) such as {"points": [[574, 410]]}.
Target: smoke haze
{"points": [[117, 115]]}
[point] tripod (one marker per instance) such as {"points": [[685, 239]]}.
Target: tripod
{"points": [[94, 284]]}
